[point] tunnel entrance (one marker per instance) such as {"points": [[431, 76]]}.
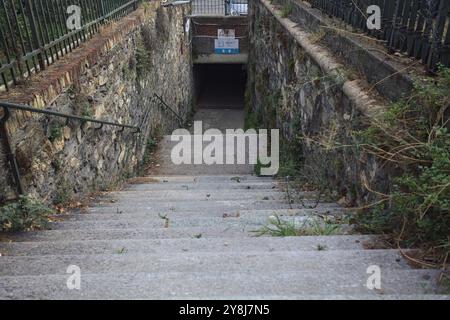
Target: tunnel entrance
{"points": [[220, 85]]}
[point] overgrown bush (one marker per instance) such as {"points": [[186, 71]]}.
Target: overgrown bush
{"points": [[413, 138], [64, 194], [411, 141], [28, 213]]}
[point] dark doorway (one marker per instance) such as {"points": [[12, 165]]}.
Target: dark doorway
{"points": [[220, 85]]}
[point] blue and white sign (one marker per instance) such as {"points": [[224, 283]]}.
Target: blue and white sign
{"points": [[226, 46]]}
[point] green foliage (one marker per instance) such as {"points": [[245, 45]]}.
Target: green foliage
{"points": [[271, 103], [64, 193], [28, 213], [445, 285], [322, 228], [278, 227], [150, 147], [259, 27], [413, 136], [82, 106], [251, 121], [290, 158], [143, 62], [122, 250], [55, 131], [286, 10], [257, 168], [291, 154], [291, 69], [251, 117]]}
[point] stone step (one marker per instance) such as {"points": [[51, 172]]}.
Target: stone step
{"points": [[261, 244], [215, 285], [269, 185], [200, 205], [213, 210], [191, 195], [380, 296], [130, 216], [149, 233], [121, 262], [154, 221], [231, 178]]}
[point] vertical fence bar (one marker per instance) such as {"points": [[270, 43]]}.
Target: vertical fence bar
{"points": [[419, 28], [436, 39], [427, 33], [411, 33], [445, 51], [35, 34]]}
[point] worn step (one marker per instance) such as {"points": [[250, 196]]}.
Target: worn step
{"points": [[231, 178], [244, 185], [200, 205], [213, 210], [149, 233], [191, 195], [121, 261], [262, 244], [155, 221], [215, 285], [124, 215]]}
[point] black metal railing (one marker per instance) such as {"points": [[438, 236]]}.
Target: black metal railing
{"points": [[35, 33], [163, 104], [4, 137], [418, 28], [219, 7]]}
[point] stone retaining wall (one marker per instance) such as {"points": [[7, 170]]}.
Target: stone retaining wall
{"points": [[300, 87], [112, 77]]}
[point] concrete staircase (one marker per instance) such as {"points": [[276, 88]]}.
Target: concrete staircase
{"points": [[185, 232], [190, 237]]}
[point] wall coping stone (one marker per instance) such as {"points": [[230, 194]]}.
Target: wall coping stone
{"points": [[365, 102], [365, 56]]}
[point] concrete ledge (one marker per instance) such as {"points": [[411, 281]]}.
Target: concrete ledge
{"points": [[241, 58]]}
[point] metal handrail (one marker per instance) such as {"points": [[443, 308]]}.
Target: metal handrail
{"points": [[162, 102], [7, 145], [8, 105]]}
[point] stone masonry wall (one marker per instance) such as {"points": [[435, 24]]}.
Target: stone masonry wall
{"points": [[298, 86], [112, 77]]}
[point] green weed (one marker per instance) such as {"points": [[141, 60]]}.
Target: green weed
{"points": [[28, 213]]}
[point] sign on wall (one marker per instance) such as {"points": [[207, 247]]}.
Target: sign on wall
{"points": [[226, 43], [226, 46]]}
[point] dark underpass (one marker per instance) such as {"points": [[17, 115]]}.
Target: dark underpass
{"points": [[220, 85]]}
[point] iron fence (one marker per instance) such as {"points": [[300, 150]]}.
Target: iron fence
{"points": [[219, 7], [418, 28], [35, 33]]}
